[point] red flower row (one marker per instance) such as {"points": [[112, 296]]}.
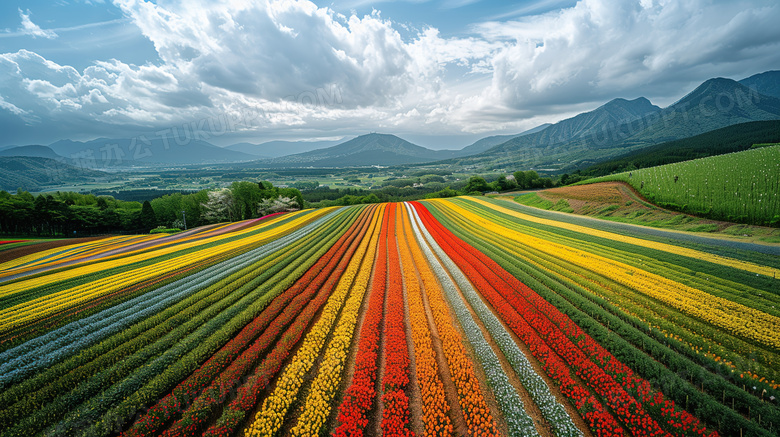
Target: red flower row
{"points": [[395, 418], [359, 396], [677, 422]]}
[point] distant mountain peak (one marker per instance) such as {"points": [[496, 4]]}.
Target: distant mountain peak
{"points": [[709, 89], [365, 150], [637, 102], [727, 96], [626, 110]]}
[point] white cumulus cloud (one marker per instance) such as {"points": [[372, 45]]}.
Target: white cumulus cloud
{"points": [[308, 67]]}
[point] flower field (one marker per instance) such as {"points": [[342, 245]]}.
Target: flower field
{"points": [[458, 316]]}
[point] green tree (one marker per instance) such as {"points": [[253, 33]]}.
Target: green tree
{"points": [[520, 179], [294, 194], [246, 196], [476, 184], [446, 192], [148, 219], [504, 184], [25, 195]]}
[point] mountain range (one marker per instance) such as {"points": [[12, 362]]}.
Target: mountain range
{"points": [[376, 149], [611, 130], [621, 126], [615, 128]]}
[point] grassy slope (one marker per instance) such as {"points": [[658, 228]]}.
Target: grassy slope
{"points": [[738, 187]]}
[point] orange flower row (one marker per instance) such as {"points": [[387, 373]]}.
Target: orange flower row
{"points": [[435, 407]]}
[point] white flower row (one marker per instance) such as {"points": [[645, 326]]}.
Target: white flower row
{"points": [[554, 412], [61, 343], [518, 421]]}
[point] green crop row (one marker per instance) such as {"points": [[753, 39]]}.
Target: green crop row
{"points": [[739, 187]]}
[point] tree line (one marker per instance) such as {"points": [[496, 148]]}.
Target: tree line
{"points": [[427, 187], [75, 214]]}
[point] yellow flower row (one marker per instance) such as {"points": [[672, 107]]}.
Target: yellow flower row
{"points": [[434, 401], [734, 317], [42, 307], [683, 251], [270, 418], [71, 252], [323, 388], [479, 419], [79, 252], [178, 240]]}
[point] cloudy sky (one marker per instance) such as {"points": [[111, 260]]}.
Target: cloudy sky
{"points": [[441, 73]]}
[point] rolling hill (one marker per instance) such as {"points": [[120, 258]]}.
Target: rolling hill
{"points": [[736, 187], [105, 152], [33, 173], [32, 150]]}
